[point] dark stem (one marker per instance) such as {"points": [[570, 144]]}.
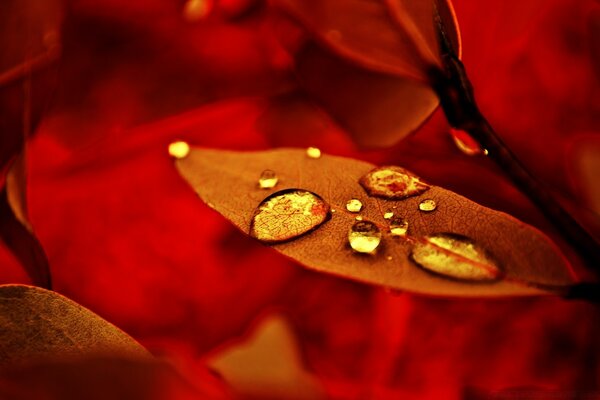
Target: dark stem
{"points": [[457, 100]]}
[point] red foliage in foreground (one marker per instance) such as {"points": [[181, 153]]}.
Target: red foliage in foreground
{"points": [[127, 238]]}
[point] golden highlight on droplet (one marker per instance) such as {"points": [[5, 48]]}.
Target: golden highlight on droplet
{"points": [[359, 218], [196, 10], [288, 214], [388, 215], [427, 205], [268, 179], [354, 205], [364, 237], [313, 152], [179, 149], [392, 182], [455, 256], [465, 142], [398, 227]]}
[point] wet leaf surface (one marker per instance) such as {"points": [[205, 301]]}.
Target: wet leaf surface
{"points": [[39, 324], [226, 180]]}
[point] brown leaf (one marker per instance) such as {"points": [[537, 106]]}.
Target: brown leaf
{"points": [[40, 324], [529, 261]]}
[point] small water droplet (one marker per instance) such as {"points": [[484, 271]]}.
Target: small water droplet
{"points": [[428, 205], [398, 226], [359, 218], [354, 205], [196, 10], [465, 142], [313, 152], [392, 183], [455, 256], [287, 214], [388, 215], [389, 258], [364, 237], [268, 179], [179, 150], [332, 210]]}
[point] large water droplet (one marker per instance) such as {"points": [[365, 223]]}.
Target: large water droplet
{"points": [[268, 179], [354, 205], [465, 142], [392, 183], [313, 152], [364, 237], [398, 226], [428, 205], [287, 214], [456, 257], [179, 149]]}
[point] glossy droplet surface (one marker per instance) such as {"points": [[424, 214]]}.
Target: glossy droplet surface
{"points": [[465, 142], [454, 256], [428, 205], [388, 215], [354, 205], [268, 179], [358, 218], [288, 214], [398, 226], [179, 149], [313, 152], [364, 237], [392, 183]]}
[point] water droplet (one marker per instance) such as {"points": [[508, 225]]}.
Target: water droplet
{"points": [[389, 258], [196, 10], [287, 214], [313, 152], [398, 226], [359, 218], [388, 215], [392, 183], [268, 179], [465, 142], [332, 210], [427, 205], [364, 237], [455, 256], [354, 205], [179, 149]]}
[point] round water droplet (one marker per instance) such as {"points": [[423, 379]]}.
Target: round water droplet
{"points": [[398, 226], [359, 218], [268, 179], [392, 183], [364, 237], [313, 152], [388, 215], [196, 10], [428, 205], [389, 258], [465, 142], [354, 205], [456, 257], [179, 149], [288, 214]]}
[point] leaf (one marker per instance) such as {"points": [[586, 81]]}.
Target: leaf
{"points": [[227, 181], [40, 324], [267, 364]]}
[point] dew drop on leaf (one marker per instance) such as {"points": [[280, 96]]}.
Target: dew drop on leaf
{"points": [[288, 214], [313, 152], [398, 226], [358, 218], [465, 142], [388, 215], [392, 183], [427, 205], [354, 205], [455, 256], [268, 179], [179, 150], [364, 237]]}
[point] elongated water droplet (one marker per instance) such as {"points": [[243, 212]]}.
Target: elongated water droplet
{"points": [[465, 142], [313, 152], [455, 256], [388, 215], [179, 149], [287, 214], [268, 179], [354, 205], [364, 237], [428, 205], [398, 226], [392, 183]]}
